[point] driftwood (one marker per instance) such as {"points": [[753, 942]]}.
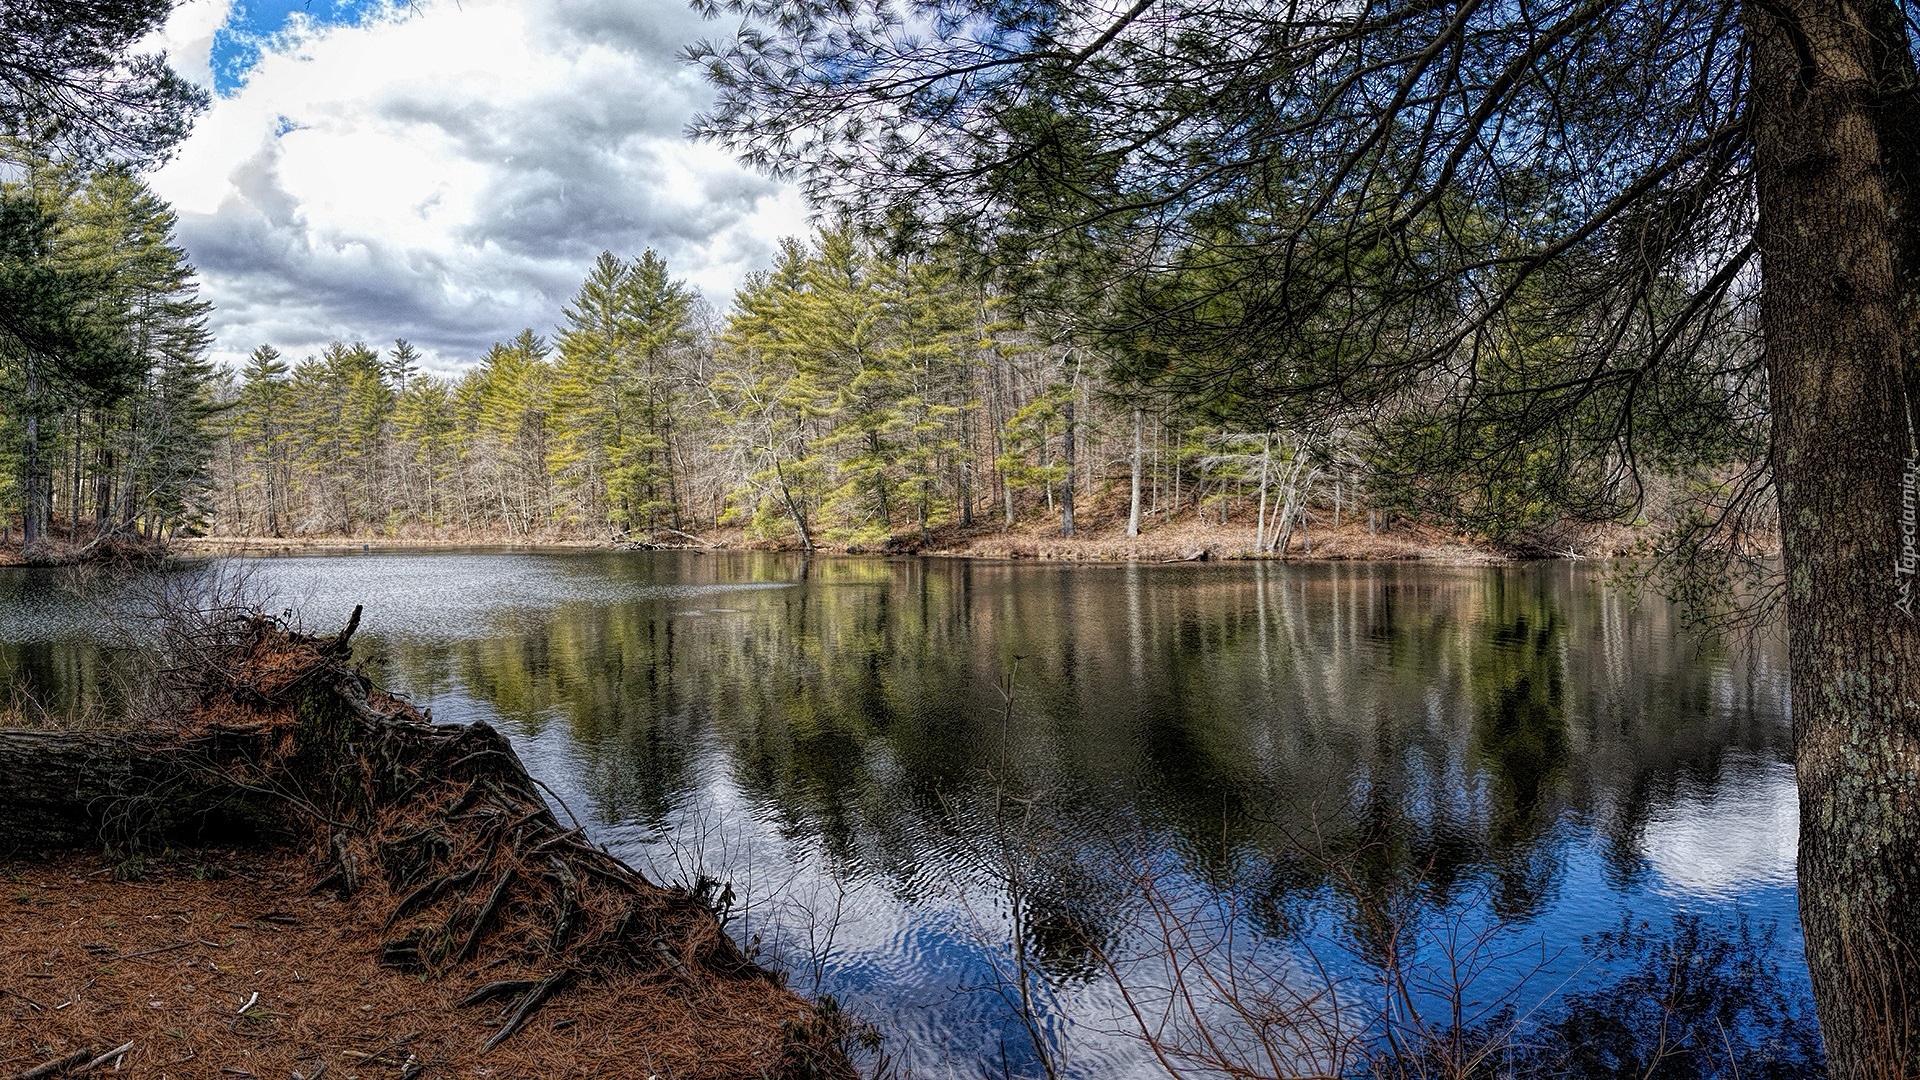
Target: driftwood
{"points": [[286, 745]]}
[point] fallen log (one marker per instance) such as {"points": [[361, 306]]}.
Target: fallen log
{"points": [[67, 790], [440, 827]]}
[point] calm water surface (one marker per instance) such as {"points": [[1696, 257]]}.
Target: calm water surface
{"points": [[920, 779]]}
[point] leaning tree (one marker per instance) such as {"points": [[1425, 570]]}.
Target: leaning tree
{"points": [[1632, 225]]}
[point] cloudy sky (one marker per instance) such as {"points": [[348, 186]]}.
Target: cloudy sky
{"points": [[445, 170]]}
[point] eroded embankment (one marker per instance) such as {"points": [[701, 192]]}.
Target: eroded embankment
{"points": [[326, 881]]}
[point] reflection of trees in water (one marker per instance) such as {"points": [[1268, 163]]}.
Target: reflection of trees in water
{"points": [[1448, 717], [1520, 735], [1429, 726], [49, 663], [54, 678], [1694, 1000]]}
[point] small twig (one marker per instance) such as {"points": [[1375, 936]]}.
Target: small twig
{"points": [[251, 1002], [556, 798], [477, 754], [53, 1068], [428, 893], [534, 999], [556, 838], [486, 913], [152, 952], [496, 989], [674, 962], [111, 1055], [340, 643]]}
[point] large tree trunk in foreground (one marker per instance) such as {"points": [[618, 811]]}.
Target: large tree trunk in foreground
{"points": [[1836, 273]]}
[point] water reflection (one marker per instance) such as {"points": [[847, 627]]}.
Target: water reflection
{"points": [[1346, 752]]}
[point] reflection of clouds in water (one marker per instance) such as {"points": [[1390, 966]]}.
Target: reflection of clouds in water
{"points": [[436, 597], [26, 621], [902, 951], [450, 597], [1744, 834]]}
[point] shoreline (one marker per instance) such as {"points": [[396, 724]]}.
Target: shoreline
{"points": [[401, 891], [1179, 543], [1103, 541]]}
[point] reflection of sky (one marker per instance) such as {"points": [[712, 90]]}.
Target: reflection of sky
{"points": [[455, 597], [1741, 836]]}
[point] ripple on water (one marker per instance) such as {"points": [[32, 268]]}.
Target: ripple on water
{"points": [[1740, 835], [451, 597]]}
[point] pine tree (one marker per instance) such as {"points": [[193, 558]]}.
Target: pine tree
{"points": [[927, 351], [594, 347], [258, 424], [770, 404], [428, 434], [656, 311], [508, 399]]}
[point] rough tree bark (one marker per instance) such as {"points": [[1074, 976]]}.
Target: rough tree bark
{"points": [[1840, 359], [69, 790]]}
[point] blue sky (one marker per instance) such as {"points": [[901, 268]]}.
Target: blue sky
{"points": [[251, 24]]}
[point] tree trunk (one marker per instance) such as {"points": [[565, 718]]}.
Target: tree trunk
{"points": [[964, 473], [1834, 279], [85, 790], [30, 525], [1139, 450], [1066, 489]]}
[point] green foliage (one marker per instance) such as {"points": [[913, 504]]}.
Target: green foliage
{"points": [[69, 79], [1029, 431], [107, 399], [846, 384], [617, 382]]}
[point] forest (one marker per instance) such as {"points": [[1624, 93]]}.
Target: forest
{"points": [[1498, 268], [110, 403], [847, 396]]}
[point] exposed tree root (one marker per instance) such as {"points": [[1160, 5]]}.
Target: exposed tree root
{"points": [[440, 825]]}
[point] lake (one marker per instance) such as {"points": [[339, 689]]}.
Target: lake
{"points": [[1007, 812]]}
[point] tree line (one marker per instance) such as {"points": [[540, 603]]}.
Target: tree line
{"points": [[849, 396]]}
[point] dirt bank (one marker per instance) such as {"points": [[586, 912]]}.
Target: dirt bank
{"points": [[397, 894]]}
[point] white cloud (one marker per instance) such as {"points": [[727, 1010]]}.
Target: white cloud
{"points": [[446, 171], [187, 39]]}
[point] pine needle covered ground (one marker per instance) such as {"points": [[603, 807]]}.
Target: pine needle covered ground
{"points": [[407, 904]]}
